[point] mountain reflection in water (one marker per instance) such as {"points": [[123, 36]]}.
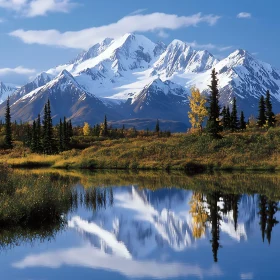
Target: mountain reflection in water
{"points": [[160, 233]]}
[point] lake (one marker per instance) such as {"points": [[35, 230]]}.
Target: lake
{"points": [[119, 225]]}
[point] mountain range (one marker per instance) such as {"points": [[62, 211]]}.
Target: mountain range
{"points": [[132, 78]]}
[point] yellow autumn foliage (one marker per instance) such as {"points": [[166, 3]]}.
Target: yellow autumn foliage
{"points": [[86, 129], [198, 110]]}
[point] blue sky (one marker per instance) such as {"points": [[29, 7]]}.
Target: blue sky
{"points": [[36, 35]]}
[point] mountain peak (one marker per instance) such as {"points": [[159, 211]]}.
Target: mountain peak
{"points": [[240, 53]]}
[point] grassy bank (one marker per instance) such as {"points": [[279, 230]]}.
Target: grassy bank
{"points": [[250, 150], [265, 183]]}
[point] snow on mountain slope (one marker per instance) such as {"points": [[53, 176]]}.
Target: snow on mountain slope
{"points": [[6, 90], [142, 222], [158, 97], [122, 74], [242, 76], [67, 98], [158, 87], [179, 57], [41, 80], [107, 66]]}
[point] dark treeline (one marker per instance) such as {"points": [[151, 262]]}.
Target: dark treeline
{"points": [[43, 137], [225, 120]]}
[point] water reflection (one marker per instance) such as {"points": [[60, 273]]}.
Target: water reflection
{"points": [[138, 232]]}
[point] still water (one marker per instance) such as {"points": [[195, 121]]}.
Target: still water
{"points": [[151, 229]]}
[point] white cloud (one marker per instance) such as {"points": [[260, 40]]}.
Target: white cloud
{"points": [[195, 45], [85, 38], [139, 11], [32, 8], [244, 15], [18, 70], [163, 34], [15, 5]]}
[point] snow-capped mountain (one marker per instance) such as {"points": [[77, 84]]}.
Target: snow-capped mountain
{"points": [[6, 90], [158, 97], [137, 78], [179, 57], [41, 80], [243, 76], [112, 64], [68, 99]]}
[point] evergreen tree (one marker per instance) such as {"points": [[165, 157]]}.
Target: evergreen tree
{"points": [[34, 140], [61, 138], [233, 117], [157, 128], [228, 118], [269, 113], [242, 121], [66, 134], [70, 130], [28, 138], [39, 135], [48, 144], [105, 126], [213, 123], [8, 126], [224, 115], [262, 112]]}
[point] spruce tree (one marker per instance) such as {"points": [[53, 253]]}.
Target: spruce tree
{"points": [[48, 130], [70, 130], [233, 117], [157, 128], [228, 118], [34, 140], [28, 137], [242, 121], [8, 126], [213, 123], [39, 135], [224, 114], [262, 112], [61, 138], [65, 134], [105, 126], [269, 113]]}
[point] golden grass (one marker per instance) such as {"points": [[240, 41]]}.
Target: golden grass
{"points": [[240, 151]]}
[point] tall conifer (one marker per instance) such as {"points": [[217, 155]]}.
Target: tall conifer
{"points": [[242, 121], [213, 123], [8, 126], [233, 116], [269, 113], [262, 112]]}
